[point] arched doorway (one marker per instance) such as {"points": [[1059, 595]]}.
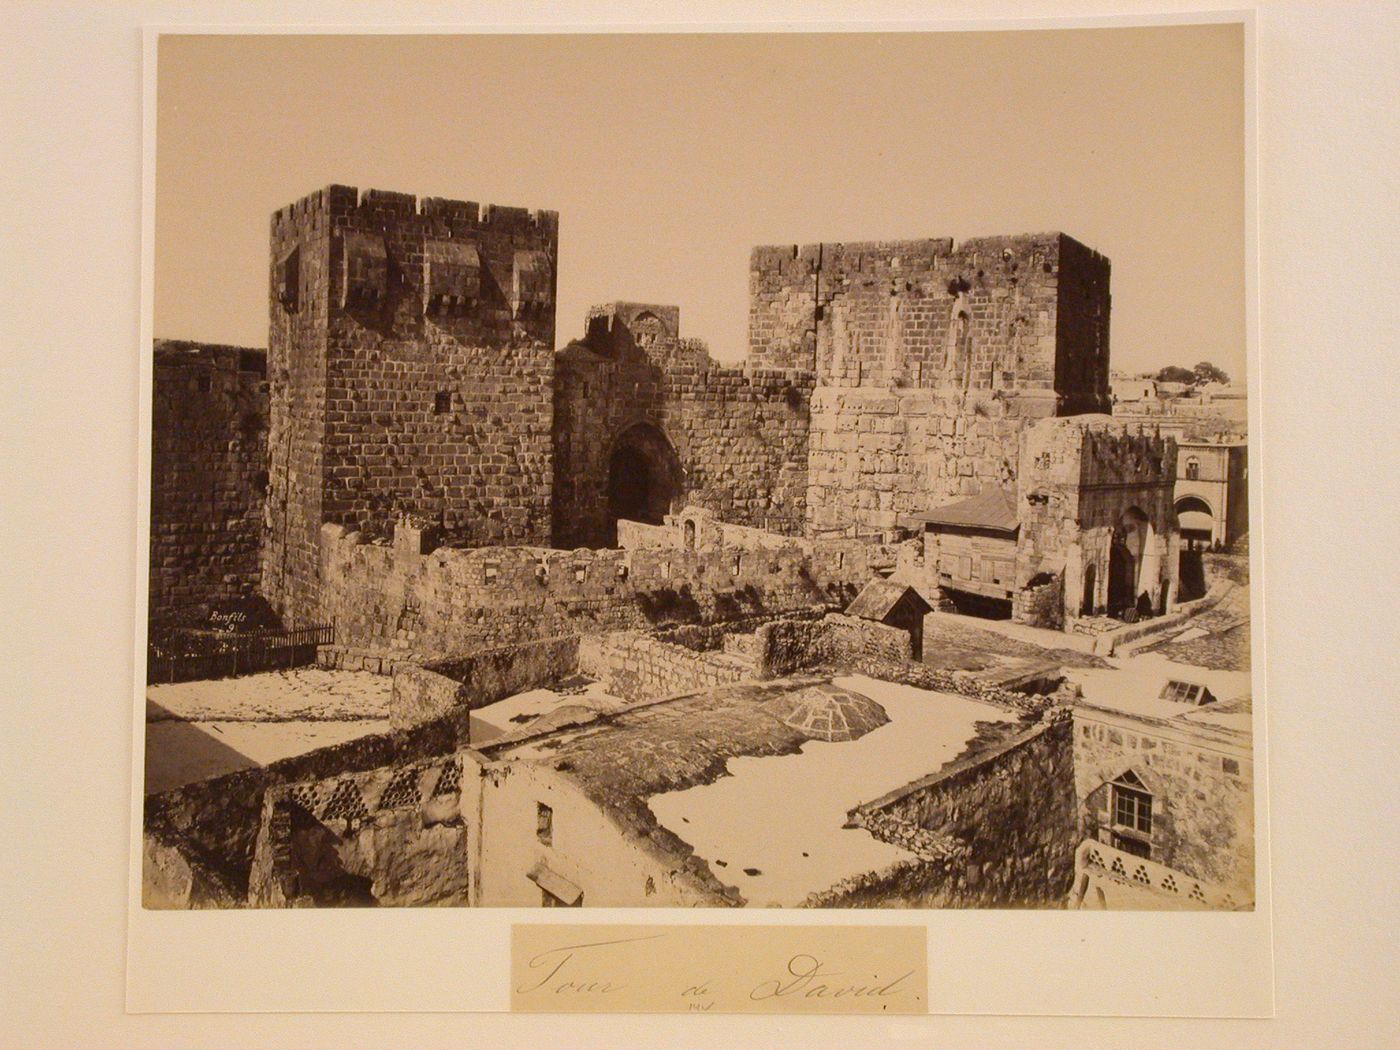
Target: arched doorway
{"points": [[1125, 563], [1086, 607], [644, 477], [1196, 521]]}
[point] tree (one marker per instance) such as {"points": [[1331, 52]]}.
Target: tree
{"points": [[1206, 372], [1176, 374]]}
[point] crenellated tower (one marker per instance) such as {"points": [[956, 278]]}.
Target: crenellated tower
{"points": [[410, 359]]}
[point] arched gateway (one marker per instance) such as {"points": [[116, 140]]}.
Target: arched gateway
{"points": [[644, 477]]}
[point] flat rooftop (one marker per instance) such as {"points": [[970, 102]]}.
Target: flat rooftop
{"points": [[199, 730], [521, 712], [762, 804], [1133, 686]]}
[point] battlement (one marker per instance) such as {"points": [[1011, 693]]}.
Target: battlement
{"points": [[371, 206], [906, 255]]}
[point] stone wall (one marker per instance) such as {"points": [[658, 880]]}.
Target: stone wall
{"points": [[1201, 785], [993, 830], [789, 645], [208, 474], [215, 822], [398, 599], [639, 667], [879, 455], [461, 684], [737, 437], [394, 836], [411, 357], [928, 361], [1079, 480]]}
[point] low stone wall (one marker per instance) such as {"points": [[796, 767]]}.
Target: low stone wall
{"points": [[398, 601], [424, 693], [393, 836], [789, 644], [214, 823], [994, 830], [1041, 605], [639, 667]]}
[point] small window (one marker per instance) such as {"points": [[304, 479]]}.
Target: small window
{"points": [[544, 824], [1132, 815], [490, 571], [738, 563], [580, 574], [1187, 693], [204, 383], [1193, 469], [442, 402]]}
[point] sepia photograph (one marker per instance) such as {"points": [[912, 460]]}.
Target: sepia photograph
{"points": [[734, 470]]}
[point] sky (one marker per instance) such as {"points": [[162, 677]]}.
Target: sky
{"points": [[669, 157]]}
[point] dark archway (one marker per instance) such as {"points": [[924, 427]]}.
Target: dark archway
{"points": [[1196, 521], [1086, 607], [644, 478], [1125, 563]]}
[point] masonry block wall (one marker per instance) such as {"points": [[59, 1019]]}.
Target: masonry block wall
{"points": [[634, 666], [1201, 786], [411, 358], [732, 440], [208, 475], [1091, 489], [928, 361]]}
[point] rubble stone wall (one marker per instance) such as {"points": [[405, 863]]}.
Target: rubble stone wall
{"points": [[995, 830], [208, 474], [789, 644], [397, 600], [394, 836], [215, 822]]}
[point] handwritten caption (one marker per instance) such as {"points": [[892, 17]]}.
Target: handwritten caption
{"points": [[589, 968]]}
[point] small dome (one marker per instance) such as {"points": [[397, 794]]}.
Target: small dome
{"points": [[827, 712]]}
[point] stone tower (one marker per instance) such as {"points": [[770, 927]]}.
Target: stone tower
{"points": [[929, 360], [410, 366]]}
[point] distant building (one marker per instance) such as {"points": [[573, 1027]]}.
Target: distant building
{"points": [[1212, 499], [1085, 528], [1133, 391]]}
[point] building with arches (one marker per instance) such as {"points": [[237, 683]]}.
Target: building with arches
{"points": [[1212, 501]]}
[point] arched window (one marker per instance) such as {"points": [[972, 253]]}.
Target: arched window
{"points": [[1193, 469], [1131, 815]]}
